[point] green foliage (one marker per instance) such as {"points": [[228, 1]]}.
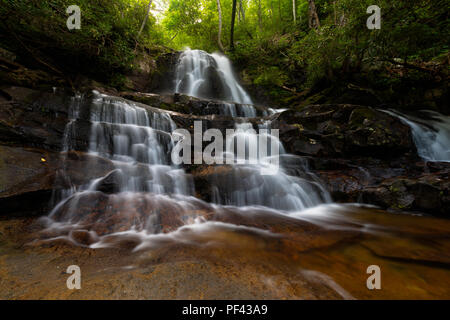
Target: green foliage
{"points": [[412, 32], [272, 50], [104, 46]]}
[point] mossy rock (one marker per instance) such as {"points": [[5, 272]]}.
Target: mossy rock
{"points": [[359, 116]]}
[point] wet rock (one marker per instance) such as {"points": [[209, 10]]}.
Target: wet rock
{"points": [[111, 183], [429, 193], [184, 104], [161, 78], [399, 185], [344, 131], [107, 214], [204, 175], [38, 119], [26, 179], [29, 176], [83, 237], [213, 86]]}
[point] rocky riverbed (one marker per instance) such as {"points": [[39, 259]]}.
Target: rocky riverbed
{"points": [[310, 256], [153, 246], [361, 154]]}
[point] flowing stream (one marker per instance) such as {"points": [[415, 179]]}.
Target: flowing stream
{"points": [[431, 134]]}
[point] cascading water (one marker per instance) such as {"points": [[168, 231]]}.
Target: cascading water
{"points": [[210, 76], [199, 74], [245, 184], [142, 190], [137, 142], [431, 134]]}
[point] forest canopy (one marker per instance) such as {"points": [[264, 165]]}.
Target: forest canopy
{"points": [[285, 45]]}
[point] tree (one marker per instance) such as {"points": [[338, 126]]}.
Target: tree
{"points": [[259, 16], [314, 21], [294, 11], [146, 17], [241, 11], [279, 12], [233, 19], [219, 41]]}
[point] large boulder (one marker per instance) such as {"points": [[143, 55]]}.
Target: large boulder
{"points": [[344, 131], [429, 193], [419, 187], [29, 176], [38, 119], [188, 105], [26, 179]]}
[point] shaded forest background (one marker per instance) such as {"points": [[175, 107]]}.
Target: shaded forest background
{"points": [[288, 52]]}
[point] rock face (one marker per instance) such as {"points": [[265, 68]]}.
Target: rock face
{"points": [[162, 75], [365, 155], [344, 131], [429, 192], [29, 177], [34, 125], [361, 154], [287, 258], [190, 105], [420, 187]]}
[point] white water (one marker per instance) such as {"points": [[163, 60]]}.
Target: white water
{"points": [[431, 134], [145, 188], [138, 144], [197, 68], [245, 184]]}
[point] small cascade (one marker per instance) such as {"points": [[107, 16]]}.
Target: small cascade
{"points": [[247, 185], [431, 134], [138, 143], [203, 75], [210, 76], [240, 110]]}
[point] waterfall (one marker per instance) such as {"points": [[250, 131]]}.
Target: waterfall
{"points": [[204, 75], [210, 76], [136, 141], [246, 185], [431, 134], [143, 191]]}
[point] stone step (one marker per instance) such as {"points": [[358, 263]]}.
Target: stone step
{"points": [[201, 107]]}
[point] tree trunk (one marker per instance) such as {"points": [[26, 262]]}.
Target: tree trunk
{"points": [[279, 12], [294, 11], [233, 19], [314, 21], [241, 10], [335, 14], [219, 8], [146, 18], [259, 16]]}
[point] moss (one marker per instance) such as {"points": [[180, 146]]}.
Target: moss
{"points": [[359, 115], [299, 126]]}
